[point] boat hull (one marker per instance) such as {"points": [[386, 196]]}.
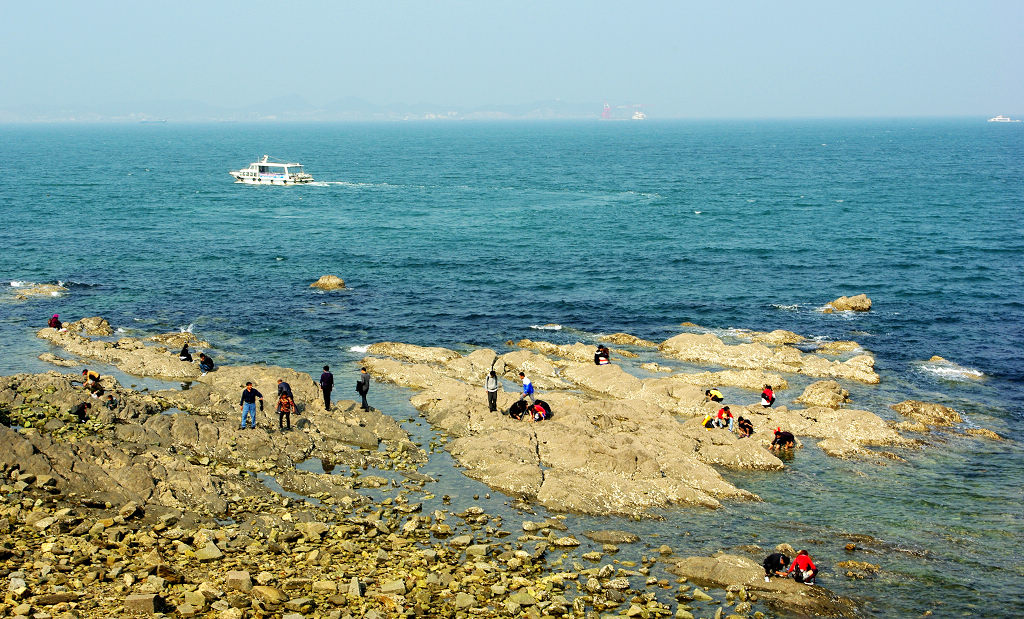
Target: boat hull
{"points": [[265, 180]]}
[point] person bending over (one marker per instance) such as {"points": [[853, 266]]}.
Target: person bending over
{"points": [[775, 565], [745, 427], [783, 440], [767, 396], [714, 395]]}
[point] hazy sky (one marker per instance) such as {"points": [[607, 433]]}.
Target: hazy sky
{"points": [[688, 59]]}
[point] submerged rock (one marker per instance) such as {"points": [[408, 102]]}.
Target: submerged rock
{"points": [[35, 290]]}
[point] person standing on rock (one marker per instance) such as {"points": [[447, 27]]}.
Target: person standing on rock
{"points": [[363, 387], [491, 385], [285, 408], [326, 384], [527, 388], [283, 388], [803, 569], [248, 405]]}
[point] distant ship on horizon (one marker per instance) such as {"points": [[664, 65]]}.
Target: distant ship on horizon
{"points": [[1003, 119]]}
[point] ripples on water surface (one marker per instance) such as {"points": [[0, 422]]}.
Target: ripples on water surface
{"points": [[468, 234]]}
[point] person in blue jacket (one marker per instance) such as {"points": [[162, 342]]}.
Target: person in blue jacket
{"points": [[527, 388]]}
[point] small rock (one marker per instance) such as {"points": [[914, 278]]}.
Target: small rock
{"points": [[396, 587], [700, 596], [270, 595], [464, 600], [209, 552], [238, 581], [142, 603]]}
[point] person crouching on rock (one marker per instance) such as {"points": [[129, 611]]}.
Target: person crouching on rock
{"points": [[745, 427], [205, 363], [714, 395], [767, 396], [54, 322], [783, 440], [248, 405], [709, 421], [185, 355], [775, 565], [540, 410], [724, 419], [602, 355], [81, 411], [803, 569]]}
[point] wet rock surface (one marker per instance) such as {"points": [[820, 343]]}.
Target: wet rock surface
{"points": [[329, 282], [858, 303]]}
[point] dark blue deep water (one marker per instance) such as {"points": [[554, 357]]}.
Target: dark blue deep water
{"points": [[462, 235]]}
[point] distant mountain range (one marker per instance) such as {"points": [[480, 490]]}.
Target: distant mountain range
{"points": [[293, 109]]}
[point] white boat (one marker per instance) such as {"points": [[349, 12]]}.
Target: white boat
{"points": [[1003, 119], [638, 115], [267, 172]]}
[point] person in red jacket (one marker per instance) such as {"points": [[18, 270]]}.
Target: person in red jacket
{"points": [[803, 569]]}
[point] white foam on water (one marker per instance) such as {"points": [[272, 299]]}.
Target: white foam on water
{"points": [[788, 308], [54, 294], [547, 327], [120, 330], [187, 329], [18, 283], [359, 348], [697, 212], [951, 371]]}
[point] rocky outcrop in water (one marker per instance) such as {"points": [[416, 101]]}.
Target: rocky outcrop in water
{"points": [[39, 290], [708, 349], [859, 303], [329, 282], [738, 573], [928, 413]]}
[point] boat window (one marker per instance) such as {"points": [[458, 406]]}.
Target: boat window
{"points": [[264, 169]]}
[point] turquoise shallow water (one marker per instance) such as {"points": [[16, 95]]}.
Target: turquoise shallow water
{"points": [[467, 234]]}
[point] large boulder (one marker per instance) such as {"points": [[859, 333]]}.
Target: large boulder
{"points": [[412, 353], [859, 303], [826, 393]]}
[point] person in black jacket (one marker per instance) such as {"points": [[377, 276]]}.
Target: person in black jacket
{"points": [[248, 404], [775, 564], [363, 387], [185, 355], [326, 384]]}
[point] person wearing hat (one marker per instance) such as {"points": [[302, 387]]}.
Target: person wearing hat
{"points": [[54, 322]]}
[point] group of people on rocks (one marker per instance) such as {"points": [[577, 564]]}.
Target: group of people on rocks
{"points": [[802, 568], [724, 419], [534, 410]]}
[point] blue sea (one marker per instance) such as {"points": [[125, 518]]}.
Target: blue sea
{"points": [[471, 234]]}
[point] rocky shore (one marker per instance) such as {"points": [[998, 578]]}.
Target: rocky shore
{"points": [[162, 505]]}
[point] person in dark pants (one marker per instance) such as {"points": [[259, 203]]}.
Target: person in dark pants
{"points": [[775, 565], [491, 385], [248, 405], [363, 387], [326, 384], [185, 355], [782, 440], [285, 408]]}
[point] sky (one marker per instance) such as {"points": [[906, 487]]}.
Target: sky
{"points": [[699, 59]]}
